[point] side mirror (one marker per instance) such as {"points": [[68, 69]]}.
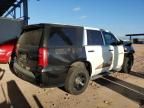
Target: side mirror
{"points": [[120, 42]]}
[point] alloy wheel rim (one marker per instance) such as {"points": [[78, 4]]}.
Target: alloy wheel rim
{"points": [[80, 82]]}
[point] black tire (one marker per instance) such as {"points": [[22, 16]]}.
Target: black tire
{"points": [[77, 79], [128, 63]]}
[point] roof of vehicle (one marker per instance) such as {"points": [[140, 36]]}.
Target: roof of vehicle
{"points": [[48, 24], [58, 24], [92, 28], [10, 19]]}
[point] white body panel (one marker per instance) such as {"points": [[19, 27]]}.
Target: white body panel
{"points": [[118, 57], [103, 58], [99, 57]]}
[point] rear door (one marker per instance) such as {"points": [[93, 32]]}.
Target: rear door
{"points": [[117, 50], [27, 48], [97, 54]]}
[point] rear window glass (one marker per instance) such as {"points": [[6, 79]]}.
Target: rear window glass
{"points": [[31, 38], [64, 36]]}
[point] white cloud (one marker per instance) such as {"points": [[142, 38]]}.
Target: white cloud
{"points": [[76, 9], [83, 17]]}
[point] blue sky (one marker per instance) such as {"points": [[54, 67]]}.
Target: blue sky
{"points": [[119, 16]]}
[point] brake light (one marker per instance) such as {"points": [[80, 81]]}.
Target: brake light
{"points": [[43, 57]]}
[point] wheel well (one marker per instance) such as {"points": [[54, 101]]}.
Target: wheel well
{"points": [[88, 67], [127, 57], [130, 55]]}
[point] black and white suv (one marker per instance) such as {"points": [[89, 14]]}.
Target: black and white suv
{"points": [[69, 56]]}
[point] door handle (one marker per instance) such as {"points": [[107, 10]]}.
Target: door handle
{"points": [[91, 51], [110, 50]]}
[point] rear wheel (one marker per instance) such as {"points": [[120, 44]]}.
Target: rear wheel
{"points": [[77, 79], [128, 63]]}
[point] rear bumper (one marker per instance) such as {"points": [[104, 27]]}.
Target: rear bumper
{"points": [[48, 78], [24, 74]]}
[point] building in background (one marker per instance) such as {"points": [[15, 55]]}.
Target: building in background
{"points": [[137, 38], [10, 28]]}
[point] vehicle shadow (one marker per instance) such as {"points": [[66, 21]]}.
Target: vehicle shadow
{"points": [[131, 91], [137, 74], [5, 104], [16, 97], [2, 71]]}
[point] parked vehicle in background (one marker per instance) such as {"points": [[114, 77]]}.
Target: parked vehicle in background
{"points": [[6, 50], [69, 56], [10, 29]]}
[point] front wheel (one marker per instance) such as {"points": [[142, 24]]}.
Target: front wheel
{"points": [[77, 79], [128, 63]]}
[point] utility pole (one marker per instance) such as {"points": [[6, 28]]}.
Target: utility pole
{"points": [[25, 11]]}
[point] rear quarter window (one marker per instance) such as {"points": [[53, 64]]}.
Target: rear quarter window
{"points": [[64, 36]]}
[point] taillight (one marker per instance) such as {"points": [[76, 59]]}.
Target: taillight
{"points": [[43, 57]]}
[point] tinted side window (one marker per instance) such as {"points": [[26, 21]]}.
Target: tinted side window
{"points": [[109, 38], [94, 37], [64, 36]]}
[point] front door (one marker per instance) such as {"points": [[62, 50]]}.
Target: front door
{"points": [[117, 51]]}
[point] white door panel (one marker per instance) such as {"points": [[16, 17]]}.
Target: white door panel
{"points": [[116, 49], [99, 57], [118, 56]]}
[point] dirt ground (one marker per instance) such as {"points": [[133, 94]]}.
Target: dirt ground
{"points": [[118, 90]]}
